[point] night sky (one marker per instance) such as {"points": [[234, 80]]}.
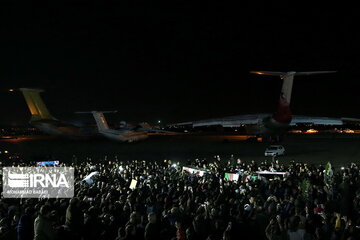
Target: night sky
{"points": [[176, 62]]}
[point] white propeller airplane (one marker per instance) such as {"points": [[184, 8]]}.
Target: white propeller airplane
{"points": [[124, 134]]}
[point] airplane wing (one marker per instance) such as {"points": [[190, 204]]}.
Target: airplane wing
{"points": [[251, 119], [146, 127], [232, 121], [298, 119], [152, 130]]}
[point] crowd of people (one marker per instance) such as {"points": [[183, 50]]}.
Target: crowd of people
{"points": [[310, 202]]}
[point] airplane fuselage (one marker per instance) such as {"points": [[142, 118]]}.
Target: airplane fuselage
{"points": [[62, 129], [124, 135], [267, 127]]}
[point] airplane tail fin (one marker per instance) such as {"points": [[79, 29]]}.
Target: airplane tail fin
{"points": [[36, 105], [288, 78], [100, 119], [283, 113]]}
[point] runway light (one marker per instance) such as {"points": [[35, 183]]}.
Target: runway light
{"points": [[349, 131], [295, 131], [312, 131]]}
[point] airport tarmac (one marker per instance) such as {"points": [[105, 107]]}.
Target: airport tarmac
{"points": [[339, 149]]}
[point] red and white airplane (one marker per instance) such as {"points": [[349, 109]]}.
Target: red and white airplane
{"points": [[271, 124]]}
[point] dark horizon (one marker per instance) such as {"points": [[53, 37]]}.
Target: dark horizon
{"points": [[176, 65]]}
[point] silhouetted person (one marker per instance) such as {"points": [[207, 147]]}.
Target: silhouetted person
{"points": [[74, 217], [43, 229], [25, 228], [152, 229]]}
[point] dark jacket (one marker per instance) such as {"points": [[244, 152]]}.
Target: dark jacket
{"points": [[152, 231], [74, 219], [43, 229], [92, 228], [25, 228]]}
